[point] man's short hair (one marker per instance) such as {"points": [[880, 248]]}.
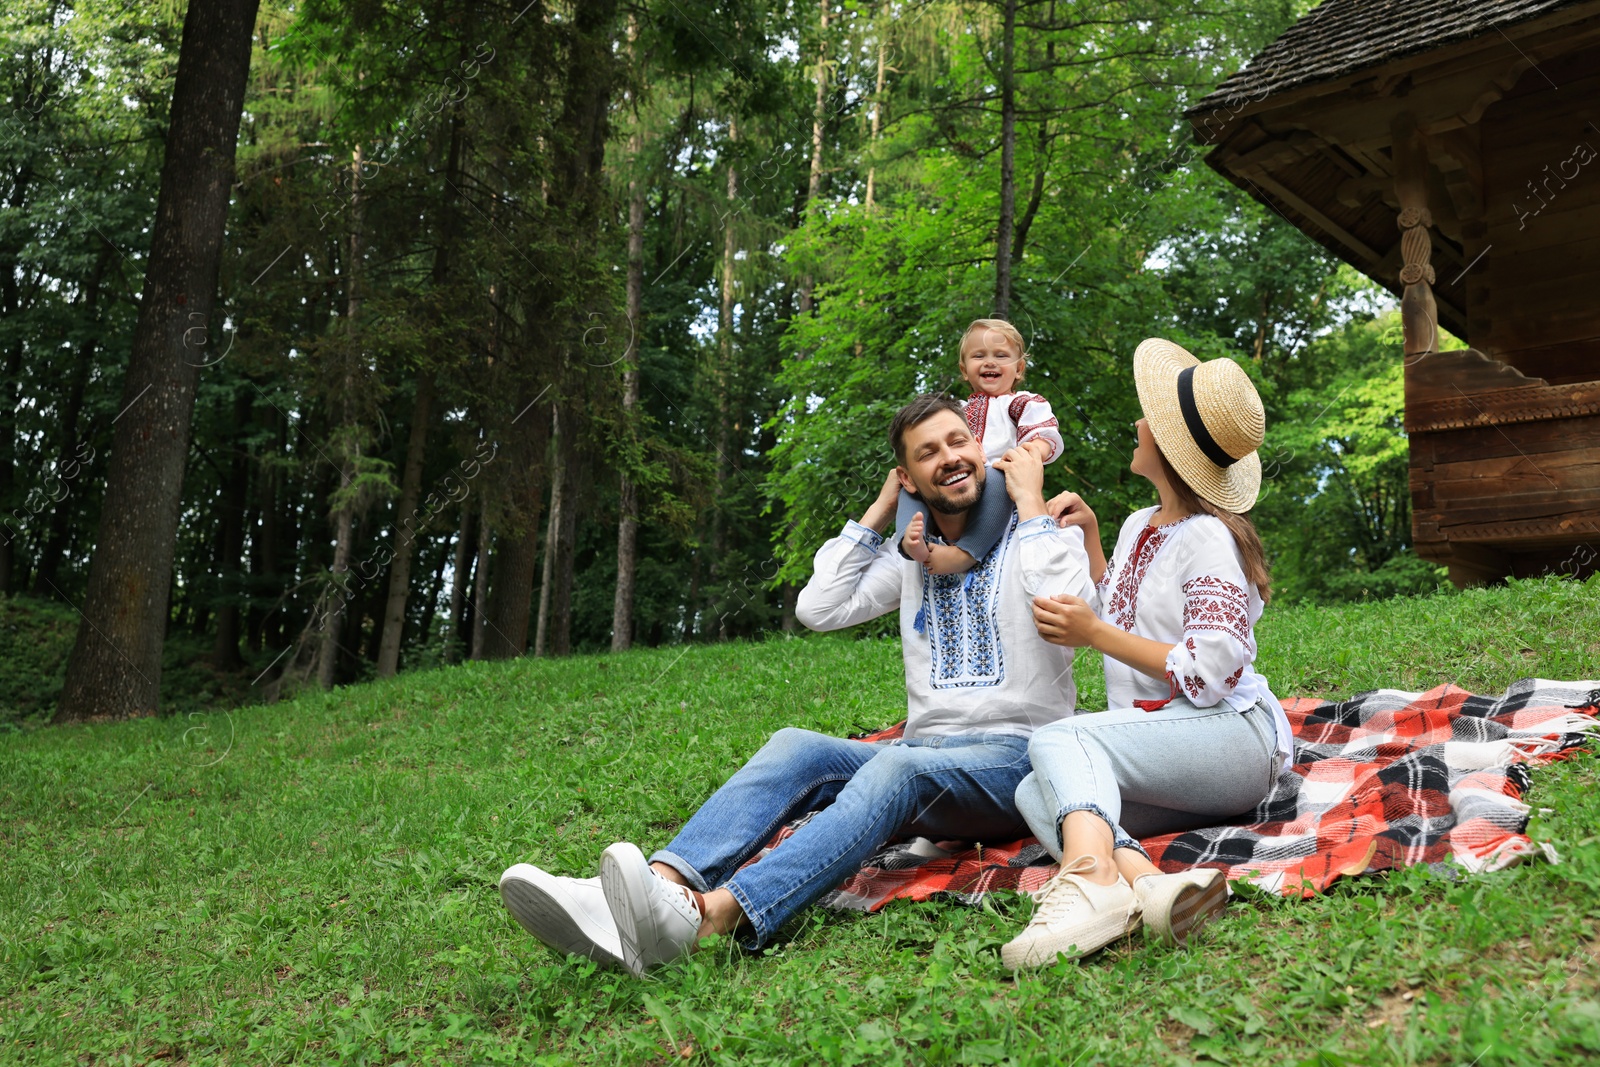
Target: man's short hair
{"points": [[915, 413]]}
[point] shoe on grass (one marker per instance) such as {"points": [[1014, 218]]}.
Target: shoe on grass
{"points": [[656, 920], [1176, 905], [568, 914], [1074, 917]]}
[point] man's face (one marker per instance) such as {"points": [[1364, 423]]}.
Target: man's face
{"points": [[944, 465]]}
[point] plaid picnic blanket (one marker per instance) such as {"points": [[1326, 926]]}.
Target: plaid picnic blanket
{"points": [[1380, 781]]}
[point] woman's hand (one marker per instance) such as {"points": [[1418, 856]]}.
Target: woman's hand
{"points": [[1069, 509], [1065, 620], [1024, 481]]}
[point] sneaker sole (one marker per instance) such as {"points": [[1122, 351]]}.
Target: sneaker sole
{"points": [[1192, 907], [1041, 954], [628, 897], [538, 911]]}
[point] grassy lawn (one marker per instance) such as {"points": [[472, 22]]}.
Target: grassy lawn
{"points": [[316, 881]]}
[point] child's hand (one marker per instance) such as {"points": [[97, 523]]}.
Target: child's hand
{"points": [[915, 541]]}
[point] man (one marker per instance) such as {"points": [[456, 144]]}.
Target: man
{"points": [[979, 680]]}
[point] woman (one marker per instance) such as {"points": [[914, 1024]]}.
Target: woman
{"points": [[1199, 738]]}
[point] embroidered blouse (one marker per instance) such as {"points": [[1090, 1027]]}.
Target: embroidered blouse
{"points": [[977, 663], [1002, 422], [1183, 584]]}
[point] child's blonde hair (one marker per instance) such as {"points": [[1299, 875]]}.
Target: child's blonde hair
{"points": [[1004, 329]]}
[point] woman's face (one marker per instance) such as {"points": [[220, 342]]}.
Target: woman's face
{"points": [[1146, 457]]}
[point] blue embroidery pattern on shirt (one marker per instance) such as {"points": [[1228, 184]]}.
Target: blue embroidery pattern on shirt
{"points": [[962, 625]]}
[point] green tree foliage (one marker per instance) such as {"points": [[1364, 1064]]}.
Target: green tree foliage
{"points": [[462, 259], [1336, 508]]}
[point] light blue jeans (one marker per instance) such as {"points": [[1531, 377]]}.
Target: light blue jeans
{"points": [[1149, 772], [868, 794]]}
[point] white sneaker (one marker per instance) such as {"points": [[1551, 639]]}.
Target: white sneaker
{"points": [[1074, 918], [568, 914], [1176, 905], [656, 919]]}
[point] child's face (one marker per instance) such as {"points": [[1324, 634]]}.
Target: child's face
{"points": [[990, 363]]}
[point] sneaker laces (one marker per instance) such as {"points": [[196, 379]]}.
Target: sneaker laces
{"points": [[1061, 892]]}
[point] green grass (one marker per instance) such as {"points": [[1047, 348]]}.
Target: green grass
{"points": [[315, 881]]}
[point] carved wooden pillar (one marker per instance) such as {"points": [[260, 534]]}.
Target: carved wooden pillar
{"points": [[1419, 316]]}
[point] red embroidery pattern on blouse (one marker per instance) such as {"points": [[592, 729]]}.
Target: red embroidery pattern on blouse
{"points": [[1018, 403], [1125, 600], [1025, 433], [977, 415], [1212, 604]]}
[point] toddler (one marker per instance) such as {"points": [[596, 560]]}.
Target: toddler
{"points": [[993, 363]]}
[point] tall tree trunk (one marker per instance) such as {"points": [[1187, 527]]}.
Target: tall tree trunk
{"points": [[1036, 195], [628, 521], [264, 543], [430, 607], [724, 389], [560, 635], [55, 546], [558, 484], [506, 632], [115, 665], [1008, 153], [458, 586], [339, 595], [877, 111], [394, 616], [480, 586], [229, 572], [807, 283]]}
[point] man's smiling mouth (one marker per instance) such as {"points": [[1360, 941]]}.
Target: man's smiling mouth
{"points": [[955, 479]]}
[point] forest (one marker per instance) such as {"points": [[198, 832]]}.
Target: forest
{"points": [[545, 328]]}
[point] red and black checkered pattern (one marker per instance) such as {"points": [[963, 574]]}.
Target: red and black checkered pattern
{"points": [[1381, 781]]}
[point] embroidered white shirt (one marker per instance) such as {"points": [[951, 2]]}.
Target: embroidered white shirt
{"points": [[1011, 419], [1183, 584], [974, 661]]}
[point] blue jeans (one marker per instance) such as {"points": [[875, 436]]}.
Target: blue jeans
{"points": [[865, 795], [1149, 772]]}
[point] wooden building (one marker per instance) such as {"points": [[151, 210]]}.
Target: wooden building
{"points": [[1450, 150]]}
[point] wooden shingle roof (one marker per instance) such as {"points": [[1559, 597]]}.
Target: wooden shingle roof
{"points": [[1340, 37]]}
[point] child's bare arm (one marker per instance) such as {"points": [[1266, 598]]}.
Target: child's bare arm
{"points": [[1041, 448]]}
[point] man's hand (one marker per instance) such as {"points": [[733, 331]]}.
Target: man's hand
{"points": [[1024, 481], [1065, 620], [1039, 447], [882, 510]]}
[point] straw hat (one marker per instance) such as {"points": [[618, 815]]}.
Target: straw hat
{"points": [[1207, 420]]}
